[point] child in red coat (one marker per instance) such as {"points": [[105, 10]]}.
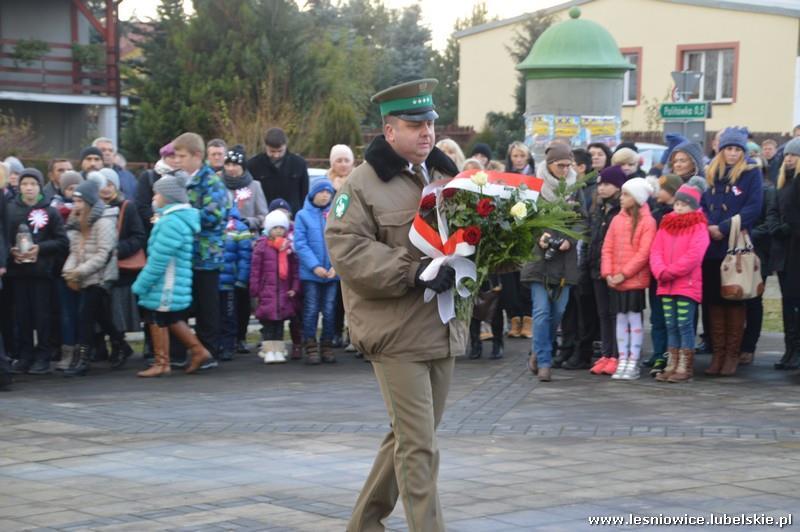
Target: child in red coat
{"points": [[676, 259], [624, 266]]}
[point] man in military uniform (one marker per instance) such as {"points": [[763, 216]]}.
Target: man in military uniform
{"points": [[411, 350]]}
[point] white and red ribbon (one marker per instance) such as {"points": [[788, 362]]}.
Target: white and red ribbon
{"points": [[38, 218]]}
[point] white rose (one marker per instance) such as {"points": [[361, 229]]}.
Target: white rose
{"points": [[480, 178], [519, 210]]}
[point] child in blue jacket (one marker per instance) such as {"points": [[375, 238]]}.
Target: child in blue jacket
{"points": [[318, 277], [164, 286], [237, 251]]}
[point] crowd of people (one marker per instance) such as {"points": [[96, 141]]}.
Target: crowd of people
{"points": [[90, 254]]}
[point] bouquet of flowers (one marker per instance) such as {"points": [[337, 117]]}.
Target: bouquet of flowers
{"points": [[483, 222]]}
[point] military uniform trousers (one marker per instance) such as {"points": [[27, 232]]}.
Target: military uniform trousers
{"points": [[407, 465]]}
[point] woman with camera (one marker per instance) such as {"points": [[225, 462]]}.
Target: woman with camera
{"points": [[555, 269]]}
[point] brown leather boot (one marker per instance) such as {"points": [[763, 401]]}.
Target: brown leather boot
{"points": [[326, 349], [516, 328], [672, 365], [735, 316], [685, 370], [161, 367], [312, 353], [716, 316], [527, 327], [198, 353]]}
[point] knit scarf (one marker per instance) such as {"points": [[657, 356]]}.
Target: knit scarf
{"points": [[675, 224], [281, 245], [235, 183]]}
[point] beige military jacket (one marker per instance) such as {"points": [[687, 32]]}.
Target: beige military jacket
{"points": [[367, 238]]}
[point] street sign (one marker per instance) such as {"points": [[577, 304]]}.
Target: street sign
{"points": [[684, 111]]}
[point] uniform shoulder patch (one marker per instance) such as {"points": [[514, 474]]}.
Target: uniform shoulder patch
{"points": [[342, 203]]}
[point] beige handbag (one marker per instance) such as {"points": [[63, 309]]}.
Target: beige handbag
{"points": [[741, 267]]}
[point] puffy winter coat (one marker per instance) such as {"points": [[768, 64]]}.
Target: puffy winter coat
{"points": [[272, 292], [238, 252], [207, 194], [309, 241], [627, 256], [94, 257], [165, 283], [677, 255], [723, 200], [47, 231], [603, 212]]}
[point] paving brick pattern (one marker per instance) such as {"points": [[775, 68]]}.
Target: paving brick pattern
{"points": [[284, 448]]}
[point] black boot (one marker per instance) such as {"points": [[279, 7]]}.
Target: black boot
{"points": [[120, 352], [578, 360], [20, 366], [791, 338], [497, 348], [475, 347], [5, 371], [562, 355], [41, 363], [80, 363]]}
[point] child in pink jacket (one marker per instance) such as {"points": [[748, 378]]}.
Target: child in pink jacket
{"points": [[676, 259], [624, 266]]}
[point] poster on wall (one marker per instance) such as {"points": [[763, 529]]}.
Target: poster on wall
{"points": [[538, 131], [568, 127], [605, 129]]}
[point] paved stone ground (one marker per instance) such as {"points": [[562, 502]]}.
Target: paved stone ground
{"points": [[254, 447]]}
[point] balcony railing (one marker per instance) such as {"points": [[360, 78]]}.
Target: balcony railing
{"points": [[55, 72]]}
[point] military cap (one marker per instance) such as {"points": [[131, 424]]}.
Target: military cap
{"points": [[411, 101]]}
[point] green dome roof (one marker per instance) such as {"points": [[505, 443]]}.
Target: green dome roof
{"points": [[575, 48]]}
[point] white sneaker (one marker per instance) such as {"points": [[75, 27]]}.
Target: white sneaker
{"points": [[261, 355], [280, 357], [621, 368], [350, 348], [269, 358], [631, 370]]}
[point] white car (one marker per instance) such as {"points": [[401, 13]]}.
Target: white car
{"points": [[649, 154], [314, 174]]}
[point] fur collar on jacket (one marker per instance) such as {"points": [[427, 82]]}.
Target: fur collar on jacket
{"points": [[675, 224], [552, 183], [387, 164]]}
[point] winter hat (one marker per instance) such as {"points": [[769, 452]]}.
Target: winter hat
{"points": [[236, 155], [613, 175], [70, 178], [34, 173], [639, 189], [558, 151], [671, 183], [673, 140], [319, 186], [734, 136], [14, 165], [792, 147], [111, 176], [482, 149], [91, 150], [694, 151], [88, 191], [753, 148], [341, 149], [625, 155], [172, 187], [167, 150], [279, 203], [691, 192], [98, 179], [275, 219]]}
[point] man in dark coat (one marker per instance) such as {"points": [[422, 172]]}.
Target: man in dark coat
{"points": [[282, 174]]}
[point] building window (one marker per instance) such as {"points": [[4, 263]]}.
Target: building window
{"points": [[719, 73], [631, 81]]}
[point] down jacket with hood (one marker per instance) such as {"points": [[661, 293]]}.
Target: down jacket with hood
{"points": [[309, 235], [237, 251], [677, 255], [272, 292], [165, 283], [94, 256], [695, 153], [626, 254]]}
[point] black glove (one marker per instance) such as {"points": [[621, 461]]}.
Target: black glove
{"points": [[443, 281]]}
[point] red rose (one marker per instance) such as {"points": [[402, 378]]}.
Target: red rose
{"points": [[449, 192], [484, 207], [428, 202], [472, 235]]}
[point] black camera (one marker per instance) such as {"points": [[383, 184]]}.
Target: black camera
{"points": [[553, 245]]}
